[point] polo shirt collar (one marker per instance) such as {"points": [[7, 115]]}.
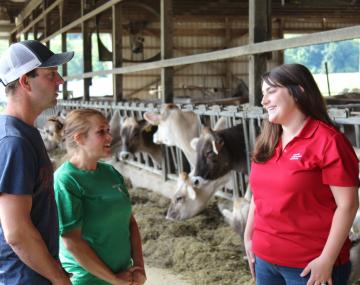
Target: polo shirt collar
{"points": [[310, 127]]}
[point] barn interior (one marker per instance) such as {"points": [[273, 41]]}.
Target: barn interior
{"points": [[151, 31], [207, 56]]}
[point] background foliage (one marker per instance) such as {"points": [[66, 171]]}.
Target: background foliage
{"points": [[340, 56]]}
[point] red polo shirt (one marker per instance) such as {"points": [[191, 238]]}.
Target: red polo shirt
{"points": [[294, 203]]}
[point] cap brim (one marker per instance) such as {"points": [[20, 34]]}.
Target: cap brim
{"points": [[58, 59]]}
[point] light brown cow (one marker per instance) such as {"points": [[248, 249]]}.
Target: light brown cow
{"points": [[132, 136], [52, 133], [176, 128]]}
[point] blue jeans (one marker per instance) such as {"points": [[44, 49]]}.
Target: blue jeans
{"points": [[271, 274]]}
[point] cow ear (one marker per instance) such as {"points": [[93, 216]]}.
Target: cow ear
{"points": [[115, 122], [147, 128], [194, 143], [115, 126], [217, 144], [220, 124], [152, 118]]}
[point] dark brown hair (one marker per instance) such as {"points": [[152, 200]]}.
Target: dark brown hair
{"points": [[301, 85], [12, 86]]}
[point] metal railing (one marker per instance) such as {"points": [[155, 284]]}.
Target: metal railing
{"points": [[346, 116]]}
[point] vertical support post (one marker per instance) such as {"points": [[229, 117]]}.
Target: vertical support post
{"points": [[35, 31], [166, 7], [63, 48], [167, 73], [280, 35], [117, 44], [228, 74], [46, 24], [86, 35], [327, 78], [259, 31]]}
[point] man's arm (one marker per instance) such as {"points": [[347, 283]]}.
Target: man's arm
{"points": [[25, 240]]}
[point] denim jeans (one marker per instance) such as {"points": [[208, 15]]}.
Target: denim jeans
{"points": [[271, 274]]}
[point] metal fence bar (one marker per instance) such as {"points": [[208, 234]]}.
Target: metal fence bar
{"points": [[348, 119]]}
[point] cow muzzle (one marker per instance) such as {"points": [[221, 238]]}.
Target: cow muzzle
{"points": [[197, 181], [125, 155]]}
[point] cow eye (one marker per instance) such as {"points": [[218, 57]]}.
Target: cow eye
{"points": [[179, 199], [210, 154]]}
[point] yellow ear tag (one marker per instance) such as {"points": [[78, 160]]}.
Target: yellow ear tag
{"points": [[148, 128]]}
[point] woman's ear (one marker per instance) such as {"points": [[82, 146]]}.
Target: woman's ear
{"points": [[301, 88], [79, 138]]}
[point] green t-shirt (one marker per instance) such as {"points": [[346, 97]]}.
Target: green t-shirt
{"points": [[98, 203]]}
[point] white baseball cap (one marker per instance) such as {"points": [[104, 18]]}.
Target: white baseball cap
{"points": [[23, 57]]}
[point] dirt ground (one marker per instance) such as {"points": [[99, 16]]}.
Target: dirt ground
{"points": [[203, 250], [159, 276]]}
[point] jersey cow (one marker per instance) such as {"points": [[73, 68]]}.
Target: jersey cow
{"points": [[176, 128], [132, 136], [52, 133], [189, 200], [219, 152]]}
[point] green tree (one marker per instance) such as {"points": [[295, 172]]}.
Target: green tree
{"points": [[341, 56]]}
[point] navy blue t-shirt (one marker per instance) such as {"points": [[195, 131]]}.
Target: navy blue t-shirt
{"points": [[25, 169]]}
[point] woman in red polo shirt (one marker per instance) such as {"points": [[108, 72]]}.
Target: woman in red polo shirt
{"points": [[304, 179]]}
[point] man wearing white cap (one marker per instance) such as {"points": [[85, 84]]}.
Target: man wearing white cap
{"points": [[28, 213]]}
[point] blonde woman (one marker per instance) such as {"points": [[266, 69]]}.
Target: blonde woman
{"points": [[100, 241]]}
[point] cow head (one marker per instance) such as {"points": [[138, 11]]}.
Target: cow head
{"points": [[135, 135], [52, 133], [212, 158], [164, 121], [62, 115], [184, 203], [115, 127], [188, 200], [237, 216]]}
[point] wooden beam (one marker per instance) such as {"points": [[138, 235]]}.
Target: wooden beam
{"points": [[63, 48], [227, 66], [86, 34], [46, 23], [117, 45], [85, 17], [167, 73], [259, 31], [33, 4], [38, 19], [256, 48]]}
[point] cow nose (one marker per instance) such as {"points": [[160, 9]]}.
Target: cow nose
{"points": [[197, 181], [124, 155]]}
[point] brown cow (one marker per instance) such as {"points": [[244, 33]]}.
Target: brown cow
{"points": [[132, 136]]}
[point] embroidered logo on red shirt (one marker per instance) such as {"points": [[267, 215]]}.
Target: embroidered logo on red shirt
{"points": [[295, 156]]}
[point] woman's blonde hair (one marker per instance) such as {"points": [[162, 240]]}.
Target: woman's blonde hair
{"points": [[78, 122]]}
